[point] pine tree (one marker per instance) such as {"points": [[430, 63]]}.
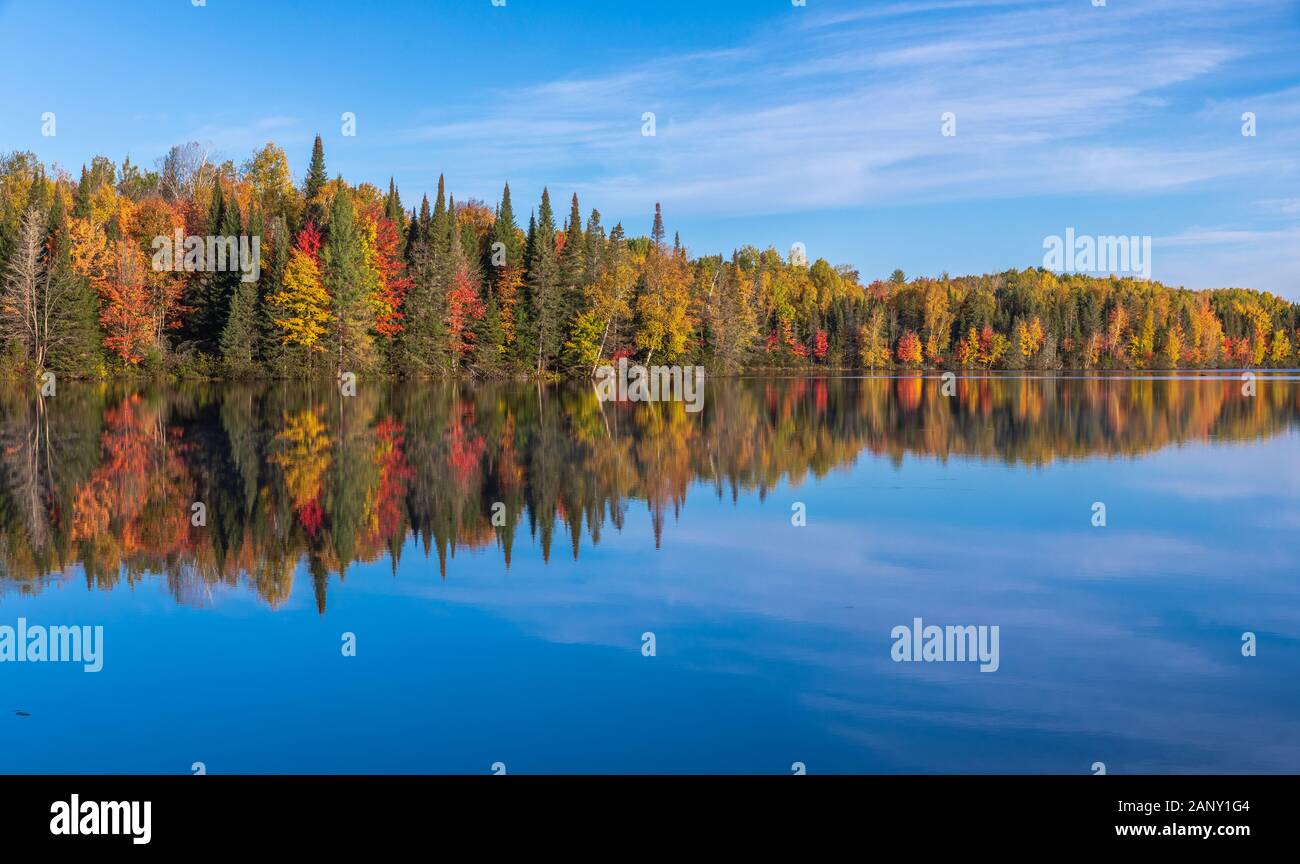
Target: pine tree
{"points": [[273, 352], [342, 268], [544, 287], [228, 279], [451, 232], [77, 351], [209, 292], [440, 226], [314, 182], [573, 263], [530, 241], [507, 305], [421, 348], [241, 337], [417, 232], [489, 341], [81, 203], [239, 342], [596, 247], [393, 210], [506, 232]]}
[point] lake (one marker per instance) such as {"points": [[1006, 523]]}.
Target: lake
{"points": [[437, 578]]}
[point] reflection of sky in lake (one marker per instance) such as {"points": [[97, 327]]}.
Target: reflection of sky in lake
{"points": [[1118, 644]]}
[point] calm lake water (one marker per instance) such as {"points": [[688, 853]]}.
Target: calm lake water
{"points": [[520, 640]]}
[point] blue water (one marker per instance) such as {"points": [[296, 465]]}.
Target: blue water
{"points": [[1120, 644]]}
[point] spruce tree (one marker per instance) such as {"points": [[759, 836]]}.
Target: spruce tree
{"points": [[76, 350], [417, 232], [489, 347], [315, 180], [525, 347], [440, 226], [225, 282], [277, 244], [207, 295], [530, 241], [595, 252], [545, 288], [239, 340], [81, 203], [342, 266], [573, 260], [397, 215], [393, 204], [449, 237], [505, 231], [422, 344], [657, 232], [573, 267]]}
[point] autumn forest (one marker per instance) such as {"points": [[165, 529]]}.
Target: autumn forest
{"points": [[351, 279]]}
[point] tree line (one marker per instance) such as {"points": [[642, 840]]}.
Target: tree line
{"points": [[350, 279]]}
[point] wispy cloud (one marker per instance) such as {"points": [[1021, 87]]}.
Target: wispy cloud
{"points": [[844, 110]]}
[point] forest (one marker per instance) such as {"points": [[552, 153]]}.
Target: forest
{"points": [[350, 279]]}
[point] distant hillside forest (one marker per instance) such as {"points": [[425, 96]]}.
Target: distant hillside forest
{"points": [[347, 278]]}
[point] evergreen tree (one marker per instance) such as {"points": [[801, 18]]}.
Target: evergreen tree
{"points": [[573, 270], [530, 241], [241, 337], [506, 232], [440, 226], [81, 203], [508, 298], [595, 251], [489, 341], [342, 267], [232, 227], [76, 350], [278, 245], [469, 242], [417, 232], [314, 182], [573, 260], [393, 210], [545, 289], [422, 345], [239, 340], [450, 237], [211, 290], [393, 204]]}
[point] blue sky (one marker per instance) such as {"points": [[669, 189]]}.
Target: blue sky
{"points": [[775, 123]]}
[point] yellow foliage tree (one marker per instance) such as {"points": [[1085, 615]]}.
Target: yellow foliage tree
{"points": [[302, 304], [1281, 348], [664, 306]]}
